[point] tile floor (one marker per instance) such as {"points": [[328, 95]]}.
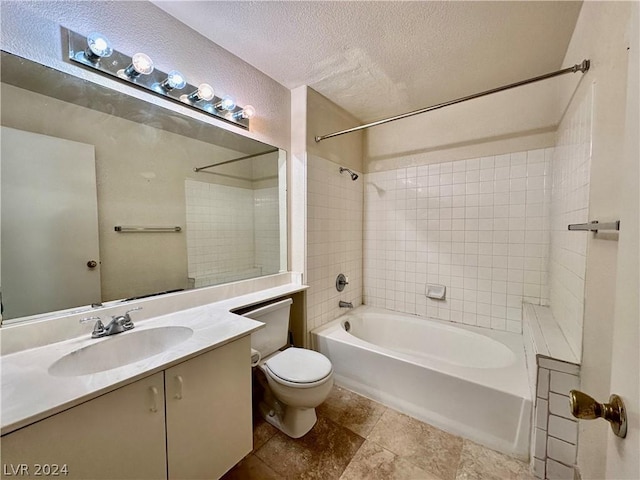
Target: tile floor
{"points": [[358, 439]]}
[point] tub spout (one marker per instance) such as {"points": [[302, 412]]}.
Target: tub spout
{"points": [[345, 304]]}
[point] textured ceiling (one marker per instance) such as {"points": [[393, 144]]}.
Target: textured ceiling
{"points": [[382, 58]]}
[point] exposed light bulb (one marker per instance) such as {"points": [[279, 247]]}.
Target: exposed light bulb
{"points": [[174, 80], [226, 103], [204, 92], [98, 46], [141, 64], [247, 112]]}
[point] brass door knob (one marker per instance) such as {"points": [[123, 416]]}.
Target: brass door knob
{"points": [[587, 408]]}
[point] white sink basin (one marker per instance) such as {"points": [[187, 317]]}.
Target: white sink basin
{"points": [[119, 350]]}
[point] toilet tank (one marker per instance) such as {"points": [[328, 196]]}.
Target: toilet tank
{"points": [[274, 335]]}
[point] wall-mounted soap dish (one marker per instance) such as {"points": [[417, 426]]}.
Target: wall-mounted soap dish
{"points": [[437, 292]]}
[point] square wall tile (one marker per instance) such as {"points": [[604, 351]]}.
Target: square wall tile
{"points": [[559, 405], [563, 429], [561, 451], [539, 468], [543, 383], [542, 413], [558, 471], [563, 382], [540, 445]]}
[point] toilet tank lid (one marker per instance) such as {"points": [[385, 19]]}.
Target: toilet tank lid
{"points": [[299, 365]]}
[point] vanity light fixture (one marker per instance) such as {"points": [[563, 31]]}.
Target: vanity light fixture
{"points": [[204, 92], [174, 80], [227, 103], [140, 64], [138, 70], [246, 113], [98, 46]]}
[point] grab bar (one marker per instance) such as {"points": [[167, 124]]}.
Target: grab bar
{"points": [[121, 229], [595, 226]]}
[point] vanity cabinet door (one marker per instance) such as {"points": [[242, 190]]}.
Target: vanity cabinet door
{"points": [[119, 435], [209, 424]]}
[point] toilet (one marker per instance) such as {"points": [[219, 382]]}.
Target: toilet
{"points": [[298, 380]]}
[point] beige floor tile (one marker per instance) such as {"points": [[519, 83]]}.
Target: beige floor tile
{"points": [[425, 446], [262, 432], [372, 462], [323, 453], [481, 463], [353, 411], [251, 468]]}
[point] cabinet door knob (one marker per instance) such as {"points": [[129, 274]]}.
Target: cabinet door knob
{"points": [[178, 394], [154, 399]]}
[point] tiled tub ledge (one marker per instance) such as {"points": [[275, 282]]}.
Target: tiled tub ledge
{"points": [[554, 370]]}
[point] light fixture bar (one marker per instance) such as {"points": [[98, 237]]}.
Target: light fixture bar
{"points": [[116, 63]]}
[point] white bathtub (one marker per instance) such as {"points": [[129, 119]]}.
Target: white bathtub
{"points": [[468, 381]]}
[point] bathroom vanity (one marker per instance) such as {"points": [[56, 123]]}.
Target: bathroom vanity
{"points": [[192, 420], [182, 413]]}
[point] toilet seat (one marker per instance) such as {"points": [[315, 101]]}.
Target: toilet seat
{"points": [[299, 368]]}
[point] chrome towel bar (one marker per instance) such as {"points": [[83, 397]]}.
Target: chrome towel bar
{"points": [[121, 229], [595, 226]]}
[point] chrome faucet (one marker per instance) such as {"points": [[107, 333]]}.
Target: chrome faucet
{"points": [[118, 324], [342, 304]]}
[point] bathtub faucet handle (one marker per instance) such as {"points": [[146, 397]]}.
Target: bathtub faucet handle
{"points": [[341, 282]]}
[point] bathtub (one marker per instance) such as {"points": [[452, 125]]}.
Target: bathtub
{"points": [[468, 381]]}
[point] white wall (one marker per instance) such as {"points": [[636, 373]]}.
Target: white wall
{"points": [[623, 460], [32, 30], [517, 120], [601, 34]]}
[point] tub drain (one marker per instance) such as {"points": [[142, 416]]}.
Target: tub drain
{"points": [[347, 326]]}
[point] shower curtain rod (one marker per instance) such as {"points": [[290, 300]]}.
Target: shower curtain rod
{"points": [[197, 169], [579, 67]]}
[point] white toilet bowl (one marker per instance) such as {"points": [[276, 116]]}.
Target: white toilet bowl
{"points": [[298, 381]]}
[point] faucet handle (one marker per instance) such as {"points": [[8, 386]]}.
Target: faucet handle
{"points": [[126, 314], [88, 319], [98, 329], [127, 323]]}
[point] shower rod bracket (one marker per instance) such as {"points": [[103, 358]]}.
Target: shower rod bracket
{"points": [[578, 67]]}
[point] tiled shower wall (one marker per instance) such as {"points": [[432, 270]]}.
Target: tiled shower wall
{"points": [[570, 173], [478, 226], [267, 229], [224, 226], [334, 239]]}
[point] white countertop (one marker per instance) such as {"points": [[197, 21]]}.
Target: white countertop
{"points": [[30, 393]]}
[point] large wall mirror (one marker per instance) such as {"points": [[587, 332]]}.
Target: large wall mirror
{"points": [[79, 160]]}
